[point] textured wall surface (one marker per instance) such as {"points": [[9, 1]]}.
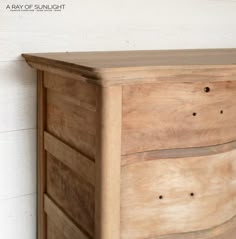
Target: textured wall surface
{"points": [[84, 25]]}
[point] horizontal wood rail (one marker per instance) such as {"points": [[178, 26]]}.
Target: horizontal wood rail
{"points": [[67, 227], [177, 153], [76, 161]]}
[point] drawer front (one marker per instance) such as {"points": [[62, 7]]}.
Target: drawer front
{"points": [[178, 115], [177, 196]]}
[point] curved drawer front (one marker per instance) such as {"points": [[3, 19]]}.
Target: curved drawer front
{"points": [[178, 115], [174, 196]]}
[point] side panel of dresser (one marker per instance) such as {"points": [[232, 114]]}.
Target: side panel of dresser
{"points": [[79, 159], [178, 114], [66, 162]]}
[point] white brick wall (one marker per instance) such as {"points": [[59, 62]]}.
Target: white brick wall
{"points": [[84, 25]]}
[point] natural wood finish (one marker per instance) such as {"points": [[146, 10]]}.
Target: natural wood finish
{"points": [[108, 163], [124, 59], [41, 162], [78, 92], [72, 193], [70, 157], [53, 232], [107, 68], [72, 123], [134, 75], [160, 115], [210, 178], [137, 144], [68, 228], [177, 153], [224, 231]]}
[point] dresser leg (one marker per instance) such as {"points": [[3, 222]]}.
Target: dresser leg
{"points": [[108, 163]]}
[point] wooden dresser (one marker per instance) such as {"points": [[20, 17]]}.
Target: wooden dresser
{"points": [[136, 144]]}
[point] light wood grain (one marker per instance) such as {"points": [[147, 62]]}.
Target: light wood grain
{"points": [[77, 162], [108, 162], [210, 179], [177, 153], [53, 231], [72, 193], [71, 123], [68, 228], [78, 92], [226, 230], [109, 68], [125, 59], [160, 115], [140, 144]]}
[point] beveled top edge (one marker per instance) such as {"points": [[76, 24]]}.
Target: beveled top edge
{"points": [[120, 66], [104, 60]]}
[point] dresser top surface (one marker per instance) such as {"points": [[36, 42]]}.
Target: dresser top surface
{"points": [[120, 59], [117, 64]]}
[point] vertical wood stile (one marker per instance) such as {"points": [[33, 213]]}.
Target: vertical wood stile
{"points": [[108, 163], [41, 161]]}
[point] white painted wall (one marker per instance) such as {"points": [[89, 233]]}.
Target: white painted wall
{"points": [[85, 25]]}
